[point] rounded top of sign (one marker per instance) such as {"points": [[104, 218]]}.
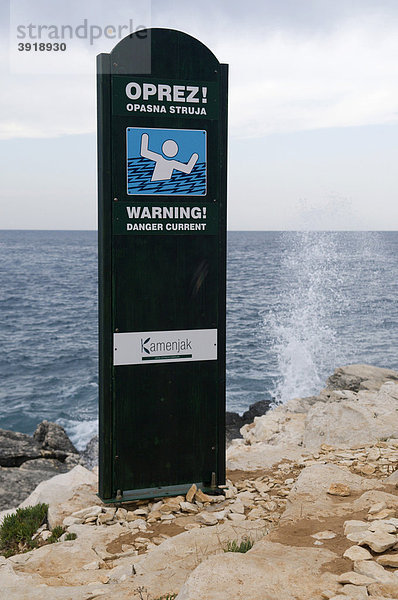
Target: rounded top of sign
{"points": [[160, 52]]}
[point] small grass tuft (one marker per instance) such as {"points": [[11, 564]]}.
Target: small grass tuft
{"points": [[70, 536], [243, 546], [56, 534], [144, 595], [18, 528]]}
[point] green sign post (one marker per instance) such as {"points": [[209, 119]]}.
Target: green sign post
{"points": [[162, 152]]}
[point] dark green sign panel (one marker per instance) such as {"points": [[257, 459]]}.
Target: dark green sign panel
{"points": [[162, 147]]}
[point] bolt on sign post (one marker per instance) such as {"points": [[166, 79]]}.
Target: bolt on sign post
{"points": [[162, 151]]}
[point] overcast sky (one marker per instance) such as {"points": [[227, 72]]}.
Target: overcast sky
{"points": [[313, 110]]}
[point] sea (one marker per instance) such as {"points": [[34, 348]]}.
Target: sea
{"points": [[299, 304]]}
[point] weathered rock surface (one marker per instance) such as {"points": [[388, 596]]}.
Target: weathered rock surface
{"points": [[53, 437], [16, 483], [25, 461], [234, 421], [310, 498], [364, 412], [306, 516], [16, 448], [89, 456], [268, 571], [360, 377]]}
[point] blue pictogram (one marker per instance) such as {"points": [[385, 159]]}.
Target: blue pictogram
{"points": [[166, 162]]}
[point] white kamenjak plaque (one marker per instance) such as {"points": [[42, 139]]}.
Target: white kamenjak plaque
{"points": [[146, 347]]}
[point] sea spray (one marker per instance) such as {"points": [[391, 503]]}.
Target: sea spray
{"points": [[302, 324]]}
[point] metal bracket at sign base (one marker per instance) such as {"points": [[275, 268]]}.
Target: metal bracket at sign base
{"points": [[161, 492]]}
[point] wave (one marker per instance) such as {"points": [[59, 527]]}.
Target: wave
{"points": [[302, 326], [79, 432]]}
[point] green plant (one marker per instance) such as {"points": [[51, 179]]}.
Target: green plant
{"points": [[56, 534], [70, 536], [235, 546], [18, 528], [142, 590]]}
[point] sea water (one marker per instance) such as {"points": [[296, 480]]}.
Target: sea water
{"points": [[299, 304]]}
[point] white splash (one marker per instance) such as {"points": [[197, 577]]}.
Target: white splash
{"points": [[301, 325], [79, 432]]}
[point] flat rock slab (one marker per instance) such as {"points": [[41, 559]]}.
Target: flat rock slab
{"points": [[309, 496], [16, 483], [263, 572], [360, 377], [16, 448]]}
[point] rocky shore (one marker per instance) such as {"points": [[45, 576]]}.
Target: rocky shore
{"points": [[27, 460], [312, 485]]}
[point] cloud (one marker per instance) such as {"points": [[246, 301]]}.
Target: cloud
{"points": [[284, 83], [280, 81]]}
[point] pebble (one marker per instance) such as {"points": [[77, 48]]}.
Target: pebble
{"points": [[382, 527], [388, 560], [207, 518], [368, 469], [202, 497], [191, 493], [355, 526], [236, 517], [355, 578], [371, 569], [359, 592], [339, 489], [383, 514], [377, 508], [324, 535], [188, 507], [357, 553]]}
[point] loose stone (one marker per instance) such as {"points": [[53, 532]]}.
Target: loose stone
{"points": [[357, 553], [339, 489]]}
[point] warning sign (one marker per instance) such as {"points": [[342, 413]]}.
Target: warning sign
{"points": [[166, 162]]}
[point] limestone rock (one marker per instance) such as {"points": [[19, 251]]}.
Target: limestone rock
{"points": [[364, 419], [202, 497], [371, 569], [16, 448], [324, 535], [245, 574], [388, 560], [52, 436], [382, 527], [359, 377], [16, 483], [236, 517], [377, 508], [357, 553], [89, 456], [191, 493], [234, 422], [277, 427], [207, 518], [378, 541], [354, 526], [383, 514], [359, 592], [383, 591], [237, 507], [189, 507], [339, 489], [355, 578], [308, 497]]}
